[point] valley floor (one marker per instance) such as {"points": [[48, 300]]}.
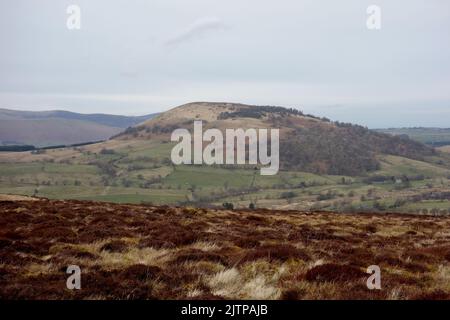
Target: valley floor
{"points": [[161, 252], [141, 172]]}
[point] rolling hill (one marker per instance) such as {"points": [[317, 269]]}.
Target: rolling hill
{"points": [[46, 128], [307, 143], [324, 165]]}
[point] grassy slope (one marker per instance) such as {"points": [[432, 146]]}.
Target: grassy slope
{"points": [[142, 173]]}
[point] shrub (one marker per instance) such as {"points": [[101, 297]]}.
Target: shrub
{"points": [[228, 206], [107, 151], [288, 195]]}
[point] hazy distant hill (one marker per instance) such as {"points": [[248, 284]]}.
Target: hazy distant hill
{"points": [[44, 128], [433, 136]]}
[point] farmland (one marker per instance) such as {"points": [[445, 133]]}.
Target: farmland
{"points": [[141, 172], [324, 165]]}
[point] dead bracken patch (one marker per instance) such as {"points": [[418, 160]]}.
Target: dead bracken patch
{"points": [[141, 272], [334, 273], [198, 255], [280, 252]]}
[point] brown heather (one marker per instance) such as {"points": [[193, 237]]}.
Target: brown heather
{"points": [[148, 252]]}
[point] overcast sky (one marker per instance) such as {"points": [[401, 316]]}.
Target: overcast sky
{"points": [[142, 56]]}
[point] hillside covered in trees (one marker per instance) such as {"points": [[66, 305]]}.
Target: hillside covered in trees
{"points": [[307, 143]]}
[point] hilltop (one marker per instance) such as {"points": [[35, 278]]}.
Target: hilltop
{"points": [[307, 143]]}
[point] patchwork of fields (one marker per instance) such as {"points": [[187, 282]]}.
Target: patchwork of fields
{"points": [[141, 172]]}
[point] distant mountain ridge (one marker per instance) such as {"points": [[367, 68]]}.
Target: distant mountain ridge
{"points": [[55, 127]]}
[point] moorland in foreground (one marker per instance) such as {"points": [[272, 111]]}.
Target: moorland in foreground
{"points": [[160, 252]]}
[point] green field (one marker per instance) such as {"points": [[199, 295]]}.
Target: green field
{"points": [[143, 173]]}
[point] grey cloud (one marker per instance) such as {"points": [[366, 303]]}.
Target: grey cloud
{"points": [[195, 30]]}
